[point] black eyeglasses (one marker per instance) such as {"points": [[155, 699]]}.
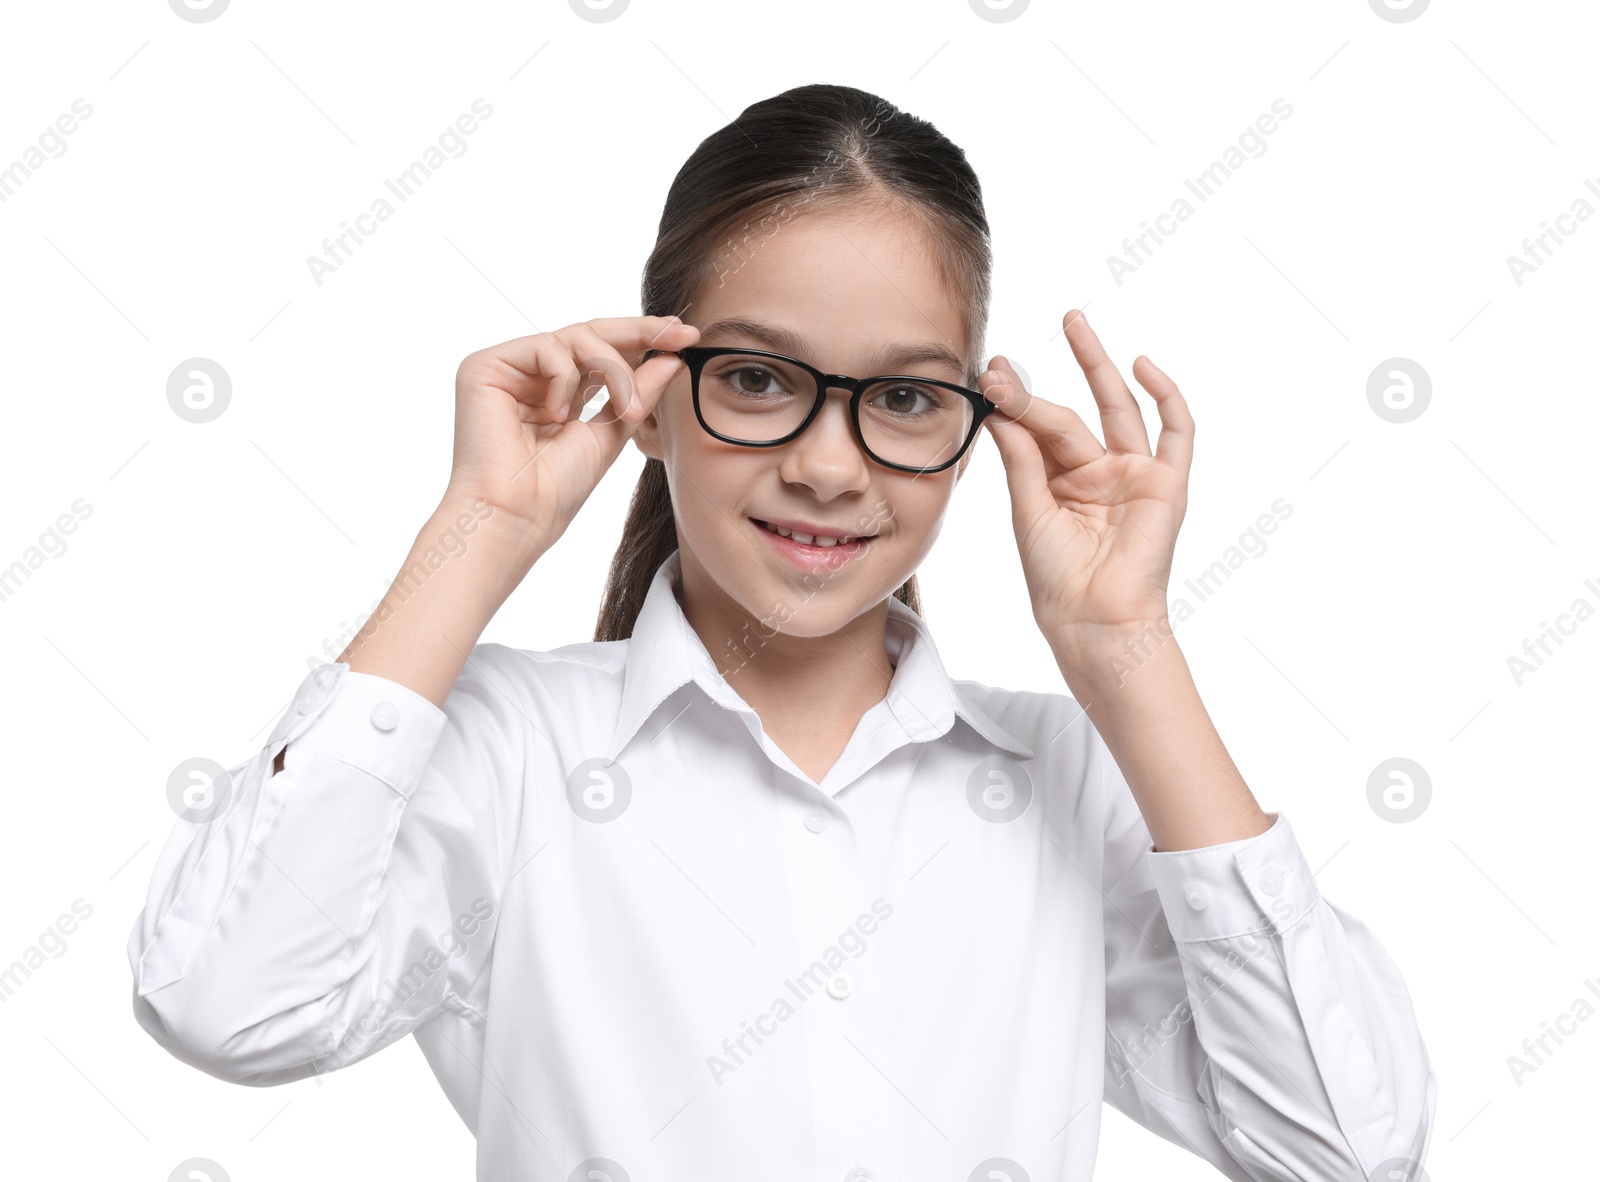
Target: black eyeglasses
{"points": [[755, 398]]}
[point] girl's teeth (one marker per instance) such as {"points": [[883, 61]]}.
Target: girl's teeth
{"points": [[807, 539]]}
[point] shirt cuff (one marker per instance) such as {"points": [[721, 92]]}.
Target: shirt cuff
{"points": [[385, 729], [1255, 884]]}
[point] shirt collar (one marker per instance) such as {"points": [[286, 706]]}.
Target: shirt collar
{"points": [[665, 653]]}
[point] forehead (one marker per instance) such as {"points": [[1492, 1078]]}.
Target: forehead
{"points": [[847, 288]]}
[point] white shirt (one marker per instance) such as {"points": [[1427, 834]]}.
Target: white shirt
{"points": [[631, 936]]}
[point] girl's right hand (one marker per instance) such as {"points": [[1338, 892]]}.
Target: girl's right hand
{"points": [[519, 443]]}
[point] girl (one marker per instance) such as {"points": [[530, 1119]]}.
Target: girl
{"points": [[748, 887]]}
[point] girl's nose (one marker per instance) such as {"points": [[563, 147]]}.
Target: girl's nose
{"points": [[827, 457]]}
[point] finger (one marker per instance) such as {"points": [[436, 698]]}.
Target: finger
{"points": [[1059, 428], [599, 366], [532, 356], [534, 370], [1119, 413], [1175, 445], [612, 348], [631, 339], [1026, 477], [650, 381], [632, 335], [544, 355]]}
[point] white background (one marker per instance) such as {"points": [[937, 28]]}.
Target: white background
{"points": [[219, 557]]}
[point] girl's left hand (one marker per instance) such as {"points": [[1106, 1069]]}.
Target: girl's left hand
{"points": [[1096, 525]]}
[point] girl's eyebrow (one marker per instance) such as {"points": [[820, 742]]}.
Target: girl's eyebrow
{"points": [[890, 359]]}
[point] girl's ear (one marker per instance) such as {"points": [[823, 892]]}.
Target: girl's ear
{"points": [[646, 437]]}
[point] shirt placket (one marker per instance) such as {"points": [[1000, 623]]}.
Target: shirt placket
{"points": [[853, 1097]]}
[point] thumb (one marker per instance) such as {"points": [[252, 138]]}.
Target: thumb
{"points": [[647, 384], [1024, 464]]}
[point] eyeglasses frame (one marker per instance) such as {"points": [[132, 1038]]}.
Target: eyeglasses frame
{"points": [[695, 357]]}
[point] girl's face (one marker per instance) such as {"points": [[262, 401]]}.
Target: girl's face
{"points": [[848, 293]]}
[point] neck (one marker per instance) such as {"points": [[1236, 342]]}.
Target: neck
{"points": [[814, 679]]}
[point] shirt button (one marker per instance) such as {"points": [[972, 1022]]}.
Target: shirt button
{"points": [[816, 820], [302, 705], [858, 1174], [1272, 880], [1198, 897], [385, 716], [839, 986]]}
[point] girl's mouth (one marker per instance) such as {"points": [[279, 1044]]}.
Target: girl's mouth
{"points": [[811, 555]]}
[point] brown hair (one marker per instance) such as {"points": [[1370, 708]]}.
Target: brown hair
{"points": [[809, 149]]}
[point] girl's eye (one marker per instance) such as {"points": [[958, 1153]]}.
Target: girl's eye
{"points": [[751, 380], [909, 400]]}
